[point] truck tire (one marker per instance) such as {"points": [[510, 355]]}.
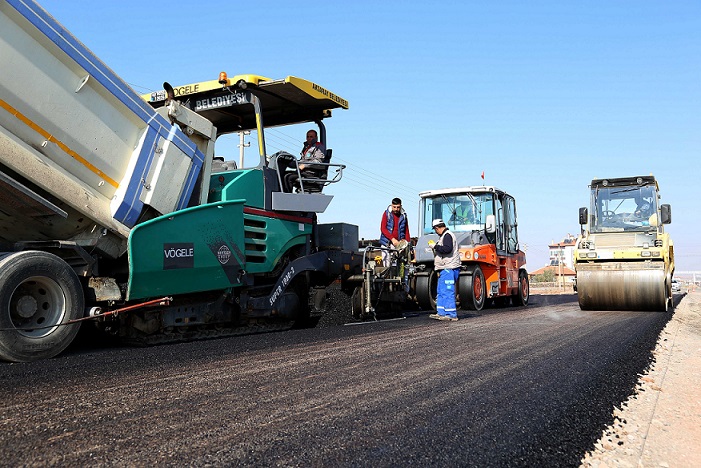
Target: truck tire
{"points": [[472, 289], [427, 290], [521, 299], [37, 289]]}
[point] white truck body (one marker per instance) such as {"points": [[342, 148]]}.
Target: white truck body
{"points": [[83, 153]]}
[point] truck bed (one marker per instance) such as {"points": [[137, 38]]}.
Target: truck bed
{"points": [[80, 151]]}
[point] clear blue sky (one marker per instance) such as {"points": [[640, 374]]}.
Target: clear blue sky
{"points": [[542, 96]]}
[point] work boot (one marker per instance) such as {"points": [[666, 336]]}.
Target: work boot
{"points": [[447, 318]]}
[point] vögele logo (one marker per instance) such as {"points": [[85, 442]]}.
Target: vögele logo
{"points": [[223, 254], [178, 255]]}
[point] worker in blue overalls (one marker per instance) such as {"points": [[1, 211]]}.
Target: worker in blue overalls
{"points": [[447, 264]]}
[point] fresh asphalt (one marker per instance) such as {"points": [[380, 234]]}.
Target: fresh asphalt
{"points": [[526, 386]]}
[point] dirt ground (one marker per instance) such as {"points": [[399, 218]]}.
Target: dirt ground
{"points": [[660, 425], [535, 289]]}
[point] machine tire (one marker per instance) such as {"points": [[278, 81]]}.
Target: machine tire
{"points": [[37, 289], [521, 299], [472, 289], [427, 290], [669, 298], [358, 302]]}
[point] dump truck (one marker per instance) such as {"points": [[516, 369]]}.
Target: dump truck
{"points": [[484, 221], [114, 210], [623, 258]]}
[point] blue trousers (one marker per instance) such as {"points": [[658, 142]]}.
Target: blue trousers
{"points": [[447, 284]]}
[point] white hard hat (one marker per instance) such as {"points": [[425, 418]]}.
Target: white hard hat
{"points": [[437, 222]]}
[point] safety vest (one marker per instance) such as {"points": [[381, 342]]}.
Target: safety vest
{"points": [[390, 227], [462, 214], [450, 260]]}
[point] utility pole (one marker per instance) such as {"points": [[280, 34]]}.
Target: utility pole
{"points": [[561, 257], [242, 146]]}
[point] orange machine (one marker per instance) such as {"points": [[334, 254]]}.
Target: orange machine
{"points": [[483, 220]]}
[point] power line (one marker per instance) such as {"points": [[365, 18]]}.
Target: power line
{"points": [[376, 188], [144, 88], [280, 136]]}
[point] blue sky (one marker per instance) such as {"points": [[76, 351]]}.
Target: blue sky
{"points": [[542, 96]]}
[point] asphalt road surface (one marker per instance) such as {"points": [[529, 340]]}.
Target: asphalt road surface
{"points": [[529, 386]]}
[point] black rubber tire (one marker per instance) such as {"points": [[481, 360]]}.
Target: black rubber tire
{"points": [[427, 290], [472, 289], [37, 289], [358, 303], [668, 297], [524, 290]]}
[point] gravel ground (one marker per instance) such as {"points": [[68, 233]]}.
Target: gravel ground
{"points": [[338, 308], [660, 425]]}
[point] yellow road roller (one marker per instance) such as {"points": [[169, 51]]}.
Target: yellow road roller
{"points": [[624, 260]]}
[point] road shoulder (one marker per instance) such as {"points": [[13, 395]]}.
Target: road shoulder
{"points": [[660, 425]]}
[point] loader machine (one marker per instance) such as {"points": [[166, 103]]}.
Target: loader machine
{"points": [[623, 258]]}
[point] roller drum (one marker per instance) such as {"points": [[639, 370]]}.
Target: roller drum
{"points": [[622, 286]]}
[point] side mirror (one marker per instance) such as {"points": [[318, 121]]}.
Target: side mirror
{"points": [[666, 213], [583, 215], [491, 224]]}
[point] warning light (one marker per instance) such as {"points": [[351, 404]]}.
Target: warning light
{"points": [[223, 79]]}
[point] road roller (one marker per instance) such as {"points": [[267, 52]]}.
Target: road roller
{"points": [[623, 258], [492, 270]]}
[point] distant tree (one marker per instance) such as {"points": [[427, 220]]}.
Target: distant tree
{"points": [[548, 276]]}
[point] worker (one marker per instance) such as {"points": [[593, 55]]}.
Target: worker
{"points": [[644, 208], [462, 214], [394, 227], [447, 263], [312, 152]]}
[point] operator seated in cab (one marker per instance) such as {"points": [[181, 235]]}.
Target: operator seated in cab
{"points": [[313, 151], [462, 214], [644, 208]]}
